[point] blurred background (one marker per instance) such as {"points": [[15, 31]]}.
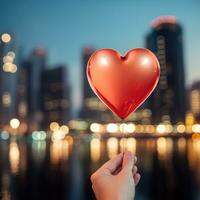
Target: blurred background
{"points": [[54, 132]]}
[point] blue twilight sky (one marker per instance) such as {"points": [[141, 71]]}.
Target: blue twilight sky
{"points": [[64, 27]]}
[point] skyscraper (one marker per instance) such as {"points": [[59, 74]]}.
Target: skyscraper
{"points": [[33, 68], [167, 102], [55, 98], [194, 100]]}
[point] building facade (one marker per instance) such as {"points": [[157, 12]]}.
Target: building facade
{"points": [[167, 102], [55, 101], [33, 68], [194, 100]]}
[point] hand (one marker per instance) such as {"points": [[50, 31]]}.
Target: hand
{"points": [[116, 179]]}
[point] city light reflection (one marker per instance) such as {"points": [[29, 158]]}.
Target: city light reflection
{"points": [[182, 145], [193, 151], [58, 135], [39, 135], [59, 150], [5, 193], [14, 157], [122, 144], [164, 148], [95, 149], [39, 150], [145, 149], [131, 145], [112, 147], [150, 145]]}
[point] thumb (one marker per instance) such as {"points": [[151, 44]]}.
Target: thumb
{"points": [[128, 161]]}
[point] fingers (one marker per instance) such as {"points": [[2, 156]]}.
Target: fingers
{"points": [[120, 167], [117, 170], [136, 178], [112, 165], [124, 162], [134, 171], [135, 159], [128, 161], [136, 175]]}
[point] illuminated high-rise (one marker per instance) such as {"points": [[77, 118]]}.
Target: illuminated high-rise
{"points": [[33, 68], [55, 98], [194, 100], [167, 102]]}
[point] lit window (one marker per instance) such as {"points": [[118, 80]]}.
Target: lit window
{"points": [[6, 99]]}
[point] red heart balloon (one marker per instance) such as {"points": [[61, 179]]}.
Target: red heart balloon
{"points": [[123, 83]]}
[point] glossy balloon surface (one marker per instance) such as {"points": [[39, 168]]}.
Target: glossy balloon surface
{"points": [[123, 82]]}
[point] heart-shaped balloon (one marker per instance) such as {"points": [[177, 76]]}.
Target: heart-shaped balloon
{"points": [[123, 83]]}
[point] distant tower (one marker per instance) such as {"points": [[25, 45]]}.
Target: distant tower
{"points": [[55, 100], [33, 67], [194, 100], [167, 102]]}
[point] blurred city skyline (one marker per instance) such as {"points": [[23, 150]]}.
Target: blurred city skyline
{"points": [[65, 28], [55, 132]]}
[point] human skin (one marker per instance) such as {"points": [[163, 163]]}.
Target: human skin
{"points": [[117, 178]]}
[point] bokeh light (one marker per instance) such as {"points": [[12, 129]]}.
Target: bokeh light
{"points": [[6, 37], [14, 123]]}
